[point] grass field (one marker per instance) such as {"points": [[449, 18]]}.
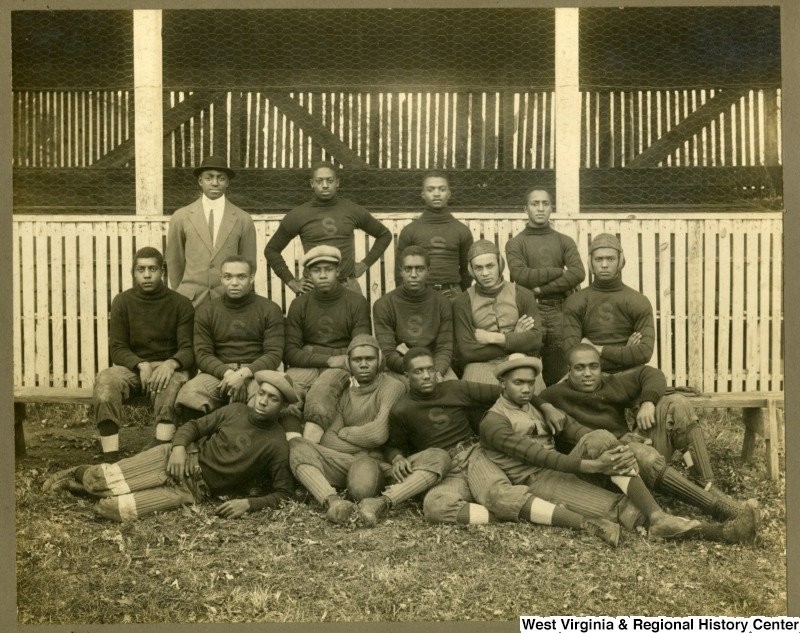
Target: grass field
{"points": [[291, 565]]}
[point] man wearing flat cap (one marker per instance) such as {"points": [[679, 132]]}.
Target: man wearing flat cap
{"points": [[492, 318], [615, 319], [202, 234], [238, 445], [517, 439], [319, 326], [329, 220]]}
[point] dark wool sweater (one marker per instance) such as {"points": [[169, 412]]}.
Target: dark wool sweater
{"points": [[514, 437], [440, 419], [468, 350], [237, 447], [151, 327], [605, 408], [248, 331], [361, 421], [544, 258], [320, 326], [447, 241], [424, 319], [330, 222], [607, 313]]}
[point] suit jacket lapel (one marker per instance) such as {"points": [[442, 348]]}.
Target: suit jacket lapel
{"points": [[198, 220], [225, 228]]}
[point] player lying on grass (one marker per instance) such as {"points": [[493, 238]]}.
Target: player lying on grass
{"points": [[237, 446]]}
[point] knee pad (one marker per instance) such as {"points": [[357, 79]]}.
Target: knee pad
{"points": [[597, 442]]}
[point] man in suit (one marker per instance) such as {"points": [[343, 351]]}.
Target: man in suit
{"points": [[202, 234]]}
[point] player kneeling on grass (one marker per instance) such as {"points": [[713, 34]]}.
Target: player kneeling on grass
{"points": [[359, 428], [237, 445], [516, 438]]}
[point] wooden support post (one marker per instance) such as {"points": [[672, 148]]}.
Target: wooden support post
{"points": [[771, 440], [148, 106], [567, 112], [19, 431], [753, 425]]}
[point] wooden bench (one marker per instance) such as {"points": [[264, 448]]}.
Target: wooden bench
{"points": [[753, 405], [52, 395]]}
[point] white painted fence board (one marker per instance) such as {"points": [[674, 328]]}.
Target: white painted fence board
{"points": [[724, 310], [17, 303], [57, 302], [737, 312], [751, 299], [776, 367], [763, 309], [710, 292], [101, 296], [680, 266], [71, 303], [694, 304], [665, 298], [86, 282], [648, 285], [41, 261]]}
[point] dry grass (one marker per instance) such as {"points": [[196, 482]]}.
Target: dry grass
{"points": [[290, 565]]}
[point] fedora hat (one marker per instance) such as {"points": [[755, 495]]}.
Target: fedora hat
{"points": [[515, 361], [214, 162]]}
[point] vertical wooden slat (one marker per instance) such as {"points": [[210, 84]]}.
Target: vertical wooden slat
{"points": [[710, 291], [666, 298], [28, 309], [724, 307], [737, 309], [694, 304], [16, 257], [770, 127], [41, 261], [101, 284], [752, 292], [765, 264], [86, 315], [57, 294], [275, 283], [680, 299], [126, 250], [71, 303], [647, 229], [261, 283], [776, 367]]}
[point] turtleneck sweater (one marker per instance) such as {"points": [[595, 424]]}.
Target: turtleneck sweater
{"points": [[495, 310], [607, 313], [605, 407], [440, 419], [422, 319], [248, 330], [361, 421], [238, 446], [447, 241], [330, 222], [541, 257], [319, 326], [151, 326]]}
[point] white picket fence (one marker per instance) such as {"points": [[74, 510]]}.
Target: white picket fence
{"points": [[715, 281]]}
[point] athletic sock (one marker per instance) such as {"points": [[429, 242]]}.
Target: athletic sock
{"points": [[314, 481], [674, 483], [418, 481], [641, 497], [473, 513], [699, 454], [109, 440]]}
